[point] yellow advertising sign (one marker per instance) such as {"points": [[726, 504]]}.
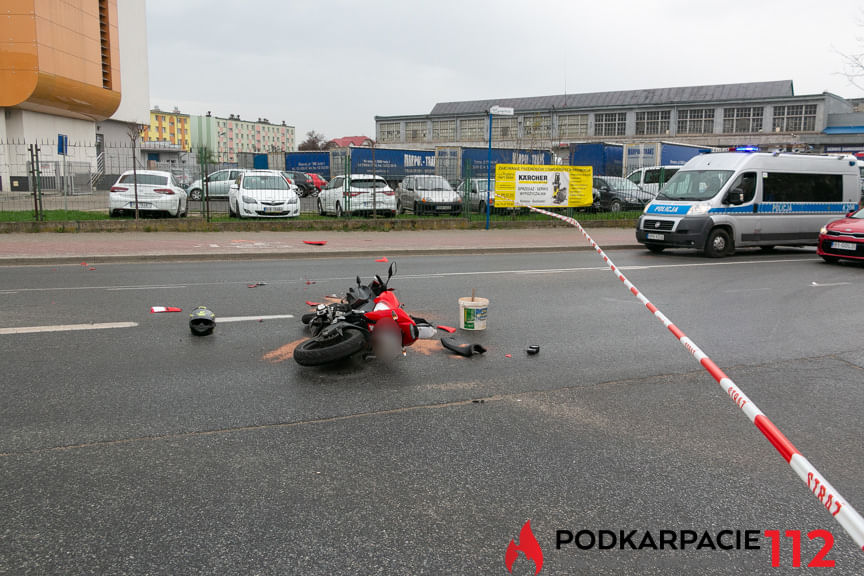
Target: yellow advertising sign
{"points": [[543, 186]]}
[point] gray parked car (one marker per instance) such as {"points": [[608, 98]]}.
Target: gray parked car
{"points": [[430, 194], [473, 191], [218, 184]]}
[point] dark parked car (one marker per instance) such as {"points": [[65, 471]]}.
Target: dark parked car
{"points": [[302, 181], [430, 194], [615, 194]]}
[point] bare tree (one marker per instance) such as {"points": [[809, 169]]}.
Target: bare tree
{"points": [[853, 68], [853, 64], [314, 141], [135, 131]]}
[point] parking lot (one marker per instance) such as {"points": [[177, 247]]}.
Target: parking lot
{"points": [[145, 450]]}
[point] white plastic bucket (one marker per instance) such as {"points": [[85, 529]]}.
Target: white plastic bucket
{"points": [[472, 313]]}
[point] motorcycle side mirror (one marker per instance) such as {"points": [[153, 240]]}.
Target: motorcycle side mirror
{"points": [[391, 270], [358, 280], [378, 279]]}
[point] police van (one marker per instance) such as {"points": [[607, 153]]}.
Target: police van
{"points": [[719, 201]]}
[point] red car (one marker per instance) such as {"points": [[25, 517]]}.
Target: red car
{"points": [[317, 180], [843, 238]]}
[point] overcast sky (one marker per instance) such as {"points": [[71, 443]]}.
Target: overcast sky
{"points": [[333, 65]]}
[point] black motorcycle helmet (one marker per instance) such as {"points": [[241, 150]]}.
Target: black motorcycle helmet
{"points": [[202, 321]]}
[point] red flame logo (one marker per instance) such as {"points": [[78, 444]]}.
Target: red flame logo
{"points": [[528, 545]]}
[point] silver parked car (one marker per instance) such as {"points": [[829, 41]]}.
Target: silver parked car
{"points": [[429, 194], [357, 193], [473, 191], [218, 184]]}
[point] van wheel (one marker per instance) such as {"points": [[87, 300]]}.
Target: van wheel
{"points": [[338, 210], [320, 208], [719, 244]]}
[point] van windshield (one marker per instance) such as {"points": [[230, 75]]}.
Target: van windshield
{"points": [[694, 184]]}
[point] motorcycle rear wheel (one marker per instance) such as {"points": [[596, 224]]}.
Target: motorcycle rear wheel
{"points": [[315, 352]]}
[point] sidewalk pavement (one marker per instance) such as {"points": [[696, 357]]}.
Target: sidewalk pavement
{"points": [[96, 247]]}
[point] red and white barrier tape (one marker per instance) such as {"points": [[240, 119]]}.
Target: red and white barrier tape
{"points": [[836, 505]]}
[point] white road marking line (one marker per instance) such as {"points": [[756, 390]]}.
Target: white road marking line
{"points": [[831, 284], [251, 318], [747, 290], [119, 288], [422, 276], [591, 268], [67, 327]]}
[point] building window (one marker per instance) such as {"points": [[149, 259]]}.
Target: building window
{"points": [[105, 42], [610, 124], [389, 132], [472, 129], [653, 122], [696, 121], [504, 128], [443, 130], [572, 125], [742, 120], [415, 131], [537, 127], [799, 118]]}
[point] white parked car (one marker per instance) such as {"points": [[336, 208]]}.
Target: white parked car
{"points": [[357, 193], [158, 192], [649, 179], [263, 194]]}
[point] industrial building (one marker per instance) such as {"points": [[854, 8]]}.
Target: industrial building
{"points": [[764, 114]]}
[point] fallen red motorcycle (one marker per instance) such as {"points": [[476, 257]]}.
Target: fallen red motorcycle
{"points": [[369, 320]]}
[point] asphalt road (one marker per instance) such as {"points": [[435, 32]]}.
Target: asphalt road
{"points": [[145, 450]]}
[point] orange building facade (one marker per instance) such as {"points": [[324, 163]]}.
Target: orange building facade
{"points": [[60, 57]]}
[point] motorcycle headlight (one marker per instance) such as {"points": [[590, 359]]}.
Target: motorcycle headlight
{"points": [[249, 200], [699, 209]]}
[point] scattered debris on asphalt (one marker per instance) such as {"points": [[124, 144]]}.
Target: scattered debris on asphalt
{"points": [[446, 328], [533, 349], [462, 348], [384, 259], [315, 242], [256, 284], [158, 309]]}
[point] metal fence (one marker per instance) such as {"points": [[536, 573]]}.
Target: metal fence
{"points": [[38, 182]]}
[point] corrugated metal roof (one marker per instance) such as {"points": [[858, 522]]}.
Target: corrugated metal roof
{"points": [[653, 96]]}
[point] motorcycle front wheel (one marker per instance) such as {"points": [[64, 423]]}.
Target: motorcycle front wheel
{"points": [[315, 352]]}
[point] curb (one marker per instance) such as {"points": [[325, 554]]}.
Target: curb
{"points": [[352, 224]]}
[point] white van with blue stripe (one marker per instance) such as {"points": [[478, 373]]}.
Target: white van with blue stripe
{"points": [[719, 201]]}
